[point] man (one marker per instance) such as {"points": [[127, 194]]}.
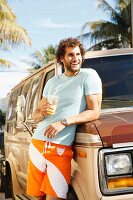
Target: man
{"points": [[79, 94]]}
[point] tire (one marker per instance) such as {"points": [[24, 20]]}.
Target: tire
{"points": [[2, 176], [71, 194], [8, 183]]}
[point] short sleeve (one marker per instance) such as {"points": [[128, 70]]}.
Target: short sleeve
{"points": [[46, 89], [92, 84]]}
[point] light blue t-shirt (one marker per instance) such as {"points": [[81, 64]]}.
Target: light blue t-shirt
{"points": [[71, 92]]}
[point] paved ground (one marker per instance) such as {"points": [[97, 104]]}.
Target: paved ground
{"points": [[2, 197]]}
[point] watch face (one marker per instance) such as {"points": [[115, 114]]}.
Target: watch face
{"points": [[64, 121]]}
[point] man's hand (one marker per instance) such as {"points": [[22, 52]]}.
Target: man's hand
{"points": [[53, 129], [46, 108], [42, 110]]}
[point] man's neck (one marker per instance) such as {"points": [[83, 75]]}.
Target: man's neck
{"points": [[69, 74]]}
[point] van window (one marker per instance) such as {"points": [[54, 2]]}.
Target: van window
{"points": [[116, 73], [49, 75], [25, 89], [26, 93], [13, 103], [34, 93]]}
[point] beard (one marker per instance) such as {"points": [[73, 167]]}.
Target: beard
{"points": [[72, 69]]}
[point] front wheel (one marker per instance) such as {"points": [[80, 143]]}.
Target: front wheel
{"points": [[8, 183], [2, 176]]}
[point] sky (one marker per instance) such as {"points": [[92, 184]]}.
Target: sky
{"points": [[46, 22]]}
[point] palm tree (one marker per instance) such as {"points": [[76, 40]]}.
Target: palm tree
{"points": [[49, 53], [113, 33], [5, 63], [40, 58], [11, 33]]}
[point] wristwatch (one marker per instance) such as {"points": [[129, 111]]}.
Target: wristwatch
{"points": [[64, 122]]}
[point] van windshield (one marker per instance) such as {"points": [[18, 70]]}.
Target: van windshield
{"points": [[116, 73]]}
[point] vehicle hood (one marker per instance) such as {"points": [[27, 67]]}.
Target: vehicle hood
{"points": [[115, 127]]}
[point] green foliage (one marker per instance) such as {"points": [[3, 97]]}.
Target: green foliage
{"points": [[114, 32], [5, 63], [40, 58], [49, 53], [11, 33]]}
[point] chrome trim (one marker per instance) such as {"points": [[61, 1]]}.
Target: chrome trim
{"points": [[111, 52], [28, 129], [87, 139], [126, 144], [103, 174], [116, 110]]}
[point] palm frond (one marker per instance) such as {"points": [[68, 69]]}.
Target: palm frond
{"points": [[5, 63], [105, 6], [90, 24], [39, 56], [122, 4], [117, 28], [49, 53], [107, 44], [105, 30], [13, 34], [104, 27], [6, 12], [126, 15], [35, 65], [108, 9]]}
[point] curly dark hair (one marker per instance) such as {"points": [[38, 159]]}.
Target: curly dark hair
{"points": [[69, 42]]}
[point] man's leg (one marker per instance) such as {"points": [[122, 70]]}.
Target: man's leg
{"points": [[36, 170], [57, 178], [41, 198]]}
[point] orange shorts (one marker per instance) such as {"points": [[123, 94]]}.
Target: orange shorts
{"points": [[49, 169]]}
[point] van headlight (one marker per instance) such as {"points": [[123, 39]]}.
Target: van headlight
{"points": [[116, 171], [117, 164]]}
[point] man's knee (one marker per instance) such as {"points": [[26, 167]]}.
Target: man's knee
{"points": [[41, 197]]}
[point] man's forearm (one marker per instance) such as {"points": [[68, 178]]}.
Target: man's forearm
{"points": [[37, 116], [54, 128], [83, 117]]}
